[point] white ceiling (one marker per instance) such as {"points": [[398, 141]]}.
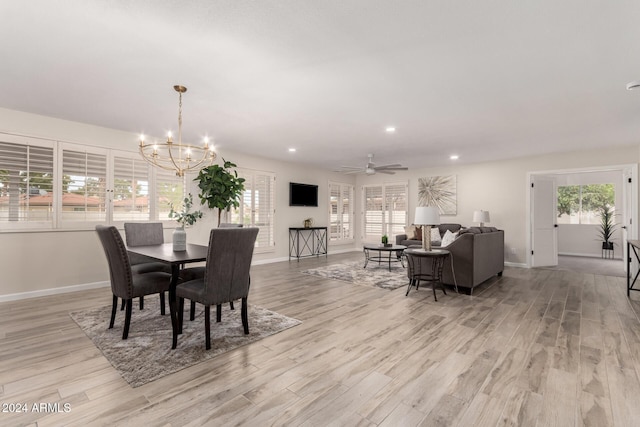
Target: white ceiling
{"points": [[482, 79]]}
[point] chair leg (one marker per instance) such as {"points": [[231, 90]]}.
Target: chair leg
{"points": [[123, 304], [114, 308], [207, 326], [219, 313], [231, 305], [127, 319], [141, 303], [162, 312], [245, 316], [180, 314], [192, 315]]}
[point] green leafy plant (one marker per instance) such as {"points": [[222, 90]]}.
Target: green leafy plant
{"points": [[607, 227], [385, 239], [220, 187], [185, 217]]}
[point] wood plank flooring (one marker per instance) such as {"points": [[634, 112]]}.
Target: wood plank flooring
{"points": [[532, 348]]}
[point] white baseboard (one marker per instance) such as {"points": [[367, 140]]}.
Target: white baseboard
{"points": [[515, 264], [53, 291], [585, 255]]}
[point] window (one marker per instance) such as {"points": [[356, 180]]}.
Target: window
{"points": [[257, 206], [340, 211], [26, 183], [580, 204], [130, 189], [52, 185], [84, 185], [169, 189], [385, 210]]}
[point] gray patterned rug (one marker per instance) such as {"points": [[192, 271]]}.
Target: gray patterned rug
{"points": [[146, 354], [372, 275]]}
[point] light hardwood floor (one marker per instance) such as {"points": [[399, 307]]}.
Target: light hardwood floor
{"points": [[532, 348]]}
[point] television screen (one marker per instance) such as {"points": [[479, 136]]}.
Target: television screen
{"points": [[303, 194]]}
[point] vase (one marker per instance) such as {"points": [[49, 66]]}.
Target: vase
{"points": [[179, 239]]}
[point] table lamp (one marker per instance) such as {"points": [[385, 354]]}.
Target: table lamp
{"points": [[481, 217], [426, 216]]}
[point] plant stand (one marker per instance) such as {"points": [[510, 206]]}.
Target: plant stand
{"points": [[607, 250]]}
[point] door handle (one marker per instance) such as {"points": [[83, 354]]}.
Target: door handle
{"points": [[555, 225]]}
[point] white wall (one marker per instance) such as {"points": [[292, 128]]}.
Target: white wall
{"points": [[38, 261], [501, 188]]}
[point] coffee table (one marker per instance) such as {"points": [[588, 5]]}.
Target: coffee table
{"points": [[381, 251]]}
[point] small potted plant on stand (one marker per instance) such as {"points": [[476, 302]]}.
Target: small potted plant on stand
{"points": [[184, 218], [607, 227]]}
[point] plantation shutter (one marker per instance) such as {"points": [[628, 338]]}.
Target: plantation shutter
{"points": [[262, 209], [340, 211], [396, 208], [169, 188], [84, 186], [373, 213], [130, 189], [26, 183]]}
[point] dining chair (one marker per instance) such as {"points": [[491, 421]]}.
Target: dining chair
{"points": [[124, 283], [197, 272], [144, 234], [226, 276]]}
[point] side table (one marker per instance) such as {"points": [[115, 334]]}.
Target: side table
{"points": [[426, 265]]}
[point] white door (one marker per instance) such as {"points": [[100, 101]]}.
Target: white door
{"points": [[627, 214], [544, 239]]}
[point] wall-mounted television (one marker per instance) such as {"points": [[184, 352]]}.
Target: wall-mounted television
{"points": [[303, 194]]}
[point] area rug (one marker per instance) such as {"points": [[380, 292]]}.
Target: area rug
{"points": [[373, 275], [146, 354]]}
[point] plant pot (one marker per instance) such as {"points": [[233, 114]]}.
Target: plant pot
{"points": [[179, 240], [607, 246]]}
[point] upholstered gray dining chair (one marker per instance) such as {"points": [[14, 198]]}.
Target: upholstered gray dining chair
{"points": [[144, 234], [198, 272], [124, 283], [230, 225], [226, 276]]}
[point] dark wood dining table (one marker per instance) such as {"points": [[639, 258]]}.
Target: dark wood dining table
{"points": [[165, 253]]}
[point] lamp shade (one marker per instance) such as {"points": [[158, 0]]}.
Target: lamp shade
{"points": [[427, 215], [481, 216]]}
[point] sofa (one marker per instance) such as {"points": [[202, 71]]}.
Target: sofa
{"points": [[477, 254]]}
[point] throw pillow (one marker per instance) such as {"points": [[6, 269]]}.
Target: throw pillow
{"points": [[448, 238], [435, 235], [418, 233], [410, 231]]}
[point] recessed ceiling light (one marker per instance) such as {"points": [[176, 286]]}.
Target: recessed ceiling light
{"points": [[292, 150], [633, 85], [454, 157], [390, 129]]}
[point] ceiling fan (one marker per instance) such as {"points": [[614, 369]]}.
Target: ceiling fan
{"points": [[370, 168]]}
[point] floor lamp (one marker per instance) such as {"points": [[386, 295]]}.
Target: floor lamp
{"points": [[426, 216]]}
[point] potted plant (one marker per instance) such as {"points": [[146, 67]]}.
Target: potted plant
{"points": [[220, 187], [385, 241], [184, 217], [607, 227]]}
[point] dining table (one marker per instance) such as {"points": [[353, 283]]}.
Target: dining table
{"points": [[177, 259]]}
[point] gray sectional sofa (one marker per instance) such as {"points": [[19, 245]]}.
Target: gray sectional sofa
{"points": [[477, 252]]}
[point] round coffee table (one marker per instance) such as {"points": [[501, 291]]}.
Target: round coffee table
{"points": [[381, 250]]}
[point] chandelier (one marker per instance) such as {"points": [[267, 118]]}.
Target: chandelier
{"points": [[176, 156]]}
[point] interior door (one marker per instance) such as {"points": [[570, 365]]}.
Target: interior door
{"points": [[627, 225], [544, 239]]}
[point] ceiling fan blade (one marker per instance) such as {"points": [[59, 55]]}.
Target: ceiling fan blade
{"points": [[395, 165], [353, 172], [351, 167], [393, 169], [388, 172]]}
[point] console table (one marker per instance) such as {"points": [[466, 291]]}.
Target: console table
{"points": [[632, 247], [307, 241]]}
